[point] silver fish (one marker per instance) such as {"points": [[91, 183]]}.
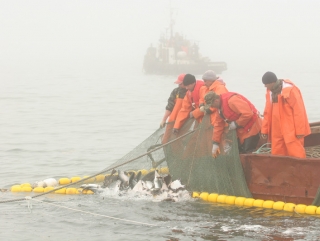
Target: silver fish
{"points": [[149, 185], [115, 186], [176, 185], [157, 181], [123, 178], [92, 187], [109, 179]]}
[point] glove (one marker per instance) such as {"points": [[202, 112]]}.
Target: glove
{"points": [[162, 124], [175, 131], [208, 111], [215, 150], [232, 126], [202, 109], [264, 136], [191, 115]]}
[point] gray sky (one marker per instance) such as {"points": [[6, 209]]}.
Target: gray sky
{"points": [[94, 36]]}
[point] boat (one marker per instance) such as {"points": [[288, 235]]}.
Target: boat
{"points": [[263, 176], [176, 54], [284, 178]]}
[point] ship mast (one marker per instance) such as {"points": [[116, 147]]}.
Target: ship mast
{"points": [[171, 22]]}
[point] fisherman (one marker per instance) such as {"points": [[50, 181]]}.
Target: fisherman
{"points": [[240, 114], [211, 83], [174, 101], [190, 104], [285, 120]]}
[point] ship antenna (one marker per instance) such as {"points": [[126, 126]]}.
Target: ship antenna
{"points": [[171, 21]]}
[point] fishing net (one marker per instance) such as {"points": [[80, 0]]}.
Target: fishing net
{"points": [[186, 156], [190, 160]]}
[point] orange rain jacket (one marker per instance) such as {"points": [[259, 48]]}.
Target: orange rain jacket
{"points": [[190, 103], [172, 118], [284, 120], [219, 87], [245, 112]]}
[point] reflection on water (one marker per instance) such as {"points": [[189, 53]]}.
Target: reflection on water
{"points": [[63, 127]]}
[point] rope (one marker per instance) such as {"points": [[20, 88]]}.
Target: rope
{"points": [[263, 149], [29, 199], [313, 151], [103, 171]]}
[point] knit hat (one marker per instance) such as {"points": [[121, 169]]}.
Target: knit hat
{"points": [[209, 75], [180, 79], [269, 77], [189, 79]]}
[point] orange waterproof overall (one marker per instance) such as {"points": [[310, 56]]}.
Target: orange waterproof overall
{"points": [[246, 118], [172, 118], [190, 103], [284, 120], [217, 87]]}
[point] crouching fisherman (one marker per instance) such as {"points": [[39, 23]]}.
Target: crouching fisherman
{"points": [[173, 107], [174, 101], [190, 104], [240, 114]]}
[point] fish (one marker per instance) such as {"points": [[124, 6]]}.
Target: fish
{"points": [[157, 182], [123, 177], [138, 176], [176, 185], [155, 185], [92, 187], [115, 186], [110, 179], [167, 179], [149, 184]]}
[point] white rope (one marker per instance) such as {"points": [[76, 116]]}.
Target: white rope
{"points": [[263, 149], [28, 198], [95, 214]]}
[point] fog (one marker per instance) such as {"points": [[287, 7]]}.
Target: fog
{"points": [[86, 37]]}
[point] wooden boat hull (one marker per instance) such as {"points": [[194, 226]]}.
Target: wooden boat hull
{"points": [[283, 178]]}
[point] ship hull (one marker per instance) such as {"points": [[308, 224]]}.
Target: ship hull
{"points": [[175, 69], [283, 178]]}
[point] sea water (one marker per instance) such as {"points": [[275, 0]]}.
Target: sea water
{"points": [[75, 125]]}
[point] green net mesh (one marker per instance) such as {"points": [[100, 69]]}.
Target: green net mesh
{"points": [[186, 156], [191, 161]]}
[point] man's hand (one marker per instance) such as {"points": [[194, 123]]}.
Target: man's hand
{"points": [[264, 136], [191, 115], [202, 109], [215, 150], [162, 124], [232, 126], [175, 131]]}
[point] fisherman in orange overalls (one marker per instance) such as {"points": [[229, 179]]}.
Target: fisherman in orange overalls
{"points": [[240, 114], [190, 104], [211, 83], [285, 120], [174, 101]]}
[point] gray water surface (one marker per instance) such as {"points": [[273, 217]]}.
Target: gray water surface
{"points": [[75, 125]]}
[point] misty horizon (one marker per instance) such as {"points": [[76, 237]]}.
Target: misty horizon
{"points": [[58, 37]]}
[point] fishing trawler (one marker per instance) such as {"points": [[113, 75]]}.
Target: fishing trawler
{"points": [[176, 54]]}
